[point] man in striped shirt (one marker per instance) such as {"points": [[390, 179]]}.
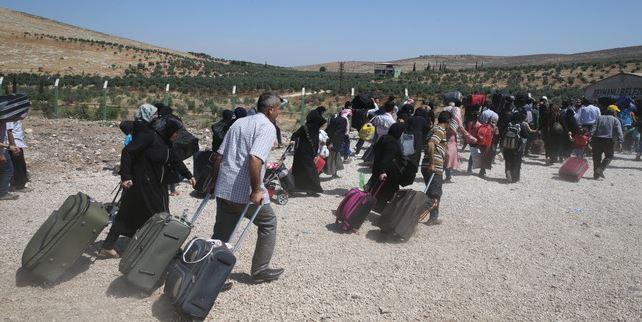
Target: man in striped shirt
{"points": [[433, 165]]}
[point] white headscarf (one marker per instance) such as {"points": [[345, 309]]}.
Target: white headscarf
{"points": [[146, 112]]}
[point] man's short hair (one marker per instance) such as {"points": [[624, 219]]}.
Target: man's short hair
{"points": [[267, 100], [389, 106], [444, 117]]}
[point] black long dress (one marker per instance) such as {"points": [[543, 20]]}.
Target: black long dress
{"points": [[336, 133], [386, 150], [418, 126], [306, 177], [142, 161]]}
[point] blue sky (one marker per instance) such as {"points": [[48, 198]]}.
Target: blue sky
{"points": [[290, 33]]}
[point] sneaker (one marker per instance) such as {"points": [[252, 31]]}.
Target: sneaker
{"points": [[449, 180], [24, 189], [509, 177], [9, 196], [637, 157], [267, 275], [108, 253], [433, 222]]}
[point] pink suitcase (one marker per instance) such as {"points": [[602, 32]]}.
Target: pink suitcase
{"points": [[574, 169]]}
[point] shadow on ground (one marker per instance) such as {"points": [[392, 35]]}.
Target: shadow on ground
{"points": [[163, 310], [82, 264]]}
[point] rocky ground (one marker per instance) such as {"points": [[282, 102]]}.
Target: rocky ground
{"points": [[541, 249]]}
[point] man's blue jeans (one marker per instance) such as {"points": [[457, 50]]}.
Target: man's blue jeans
{"points": [[6, 173]]}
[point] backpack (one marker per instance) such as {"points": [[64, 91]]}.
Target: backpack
{"points": [[557, 128], [512, 139], [485, 135], [407, 141], [477, 99], [184, 144]]}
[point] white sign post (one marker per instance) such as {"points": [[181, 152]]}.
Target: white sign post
{"points": [[56, 82], [167, 88], [103, 101], [406, 93], [352, 92]]}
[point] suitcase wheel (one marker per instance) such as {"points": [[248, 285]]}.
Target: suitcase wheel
{"points": [[282, 198]]}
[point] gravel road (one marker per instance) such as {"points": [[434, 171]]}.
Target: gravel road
{"points": [[541, 249]]}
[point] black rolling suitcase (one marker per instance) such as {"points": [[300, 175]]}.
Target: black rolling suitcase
{"points": [[402, 214], [195, 278]]}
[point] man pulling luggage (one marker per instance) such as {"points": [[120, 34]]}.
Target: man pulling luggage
{"points": [[238, 169]]}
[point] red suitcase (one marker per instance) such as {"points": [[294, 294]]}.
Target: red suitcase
{"points": [[573, 169]]}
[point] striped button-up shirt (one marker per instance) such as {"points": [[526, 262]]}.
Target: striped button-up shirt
{"points": [[249, 136]]}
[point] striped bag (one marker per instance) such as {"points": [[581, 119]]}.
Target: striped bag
{"points": [[14, 107]]}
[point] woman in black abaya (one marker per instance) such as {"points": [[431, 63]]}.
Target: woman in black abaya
{"points": [[306, 177], [143, 163], [386, 150]]}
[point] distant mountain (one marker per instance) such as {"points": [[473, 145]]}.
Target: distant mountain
{"points": [[471, 61], [35, 44]]}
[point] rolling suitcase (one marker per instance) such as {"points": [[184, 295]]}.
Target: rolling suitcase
{"points": [[401, 216], [573, 169], [154, 246], [63, 237], [355, 207], [195, 279]]}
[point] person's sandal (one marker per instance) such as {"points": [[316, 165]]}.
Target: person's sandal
{"points": [[108, 253]]}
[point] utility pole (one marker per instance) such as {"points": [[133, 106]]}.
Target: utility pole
{"points": [[341, 67], [302, 117]]}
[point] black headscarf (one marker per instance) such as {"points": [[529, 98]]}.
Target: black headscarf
{"points": [[397, 129], [314, 121], [240, 112], [422, 112], [163, 109], [227, 115], [405, 112]]}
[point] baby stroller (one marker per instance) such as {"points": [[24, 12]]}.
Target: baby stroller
{"points": [[277, 180]]}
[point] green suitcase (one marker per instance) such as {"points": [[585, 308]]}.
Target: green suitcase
{"points": [[153, 247], [151, 250], [63, 237]]}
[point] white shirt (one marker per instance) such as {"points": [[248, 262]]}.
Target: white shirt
{"points": [[249, 136], [487, 115], [18, 134], [382, 123]]}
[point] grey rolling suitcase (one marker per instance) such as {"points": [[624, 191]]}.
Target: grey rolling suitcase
{"points": [[195, 279], [154, 246]]}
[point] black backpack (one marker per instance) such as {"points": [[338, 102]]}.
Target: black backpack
{"points": [[184, 144], [512, 140]]}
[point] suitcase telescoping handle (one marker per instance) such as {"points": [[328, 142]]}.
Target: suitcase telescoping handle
{"points": [[238, 224], [432, 176], [200, 208]]}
